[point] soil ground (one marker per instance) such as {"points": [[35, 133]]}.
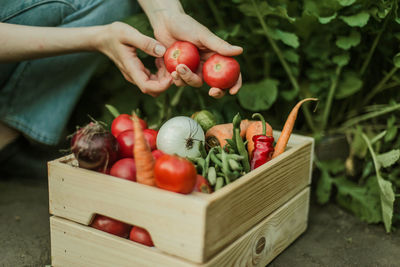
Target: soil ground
{"points": [[333, 238]]}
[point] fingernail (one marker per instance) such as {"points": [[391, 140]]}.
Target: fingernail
{"points": [[159, 50], [182, 70], [235, 47]]}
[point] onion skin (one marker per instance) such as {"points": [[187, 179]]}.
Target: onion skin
{"points": [[181, 136], [94, 147]]}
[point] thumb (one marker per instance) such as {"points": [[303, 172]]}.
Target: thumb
{"points": [[145, 43], [216, 44]]}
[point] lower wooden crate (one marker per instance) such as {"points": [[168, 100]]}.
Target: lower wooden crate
{"points": [[74, 244]]}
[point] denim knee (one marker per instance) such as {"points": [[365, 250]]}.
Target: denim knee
{"points": [[58, 12]]}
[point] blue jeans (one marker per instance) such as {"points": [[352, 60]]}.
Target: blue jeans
{"points": [[38, 96]]}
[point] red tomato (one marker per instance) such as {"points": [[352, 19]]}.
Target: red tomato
{"points": [[221, 72], [111, 226], [126, 141], [124, 122], [202, 185], [141, 236], [157, 153], [151, 137], [175, 174], [124, 168], [182, 53]]}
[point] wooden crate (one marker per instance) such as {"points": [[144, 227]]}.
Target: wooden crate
{"points": [[74, 244], [194, 227]]}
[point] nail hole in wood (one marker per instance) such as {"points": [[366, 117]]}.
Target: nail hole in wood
{"points": [[260, 245]]}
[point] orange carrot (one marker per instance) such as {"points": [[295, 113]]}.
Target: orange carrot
{"points": [[143, 157], [255, 128], [218, 134], [288, 128]]}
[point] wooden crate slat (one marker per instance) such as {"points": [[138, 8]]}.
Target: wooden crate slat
{"points": [[279, 230], [253, 198], [78, 194], [74, 244]]}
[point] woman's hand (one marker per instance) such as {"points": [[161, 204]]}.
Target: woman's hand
{"points": [[179, 26], [120, 43]]}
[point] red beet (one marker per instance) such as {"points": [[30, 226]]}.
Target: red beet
{"points": [[94, 147]]}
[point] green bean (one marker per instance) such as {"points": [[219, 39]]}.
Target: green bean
{"points": [[215, 159], [235, 166], [219, 184], [212, 175], [242, 151], [202, 149]]}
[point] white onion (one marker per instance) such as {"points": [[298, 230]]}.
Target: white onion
{"points": [[180, 135]]}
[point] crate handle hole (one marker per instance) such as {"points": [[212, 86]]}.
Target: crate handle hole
{"points": [[260, 245]]}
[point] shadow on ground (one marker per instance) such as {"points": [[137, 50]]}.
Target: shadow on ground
{"points": [[333, 238]]}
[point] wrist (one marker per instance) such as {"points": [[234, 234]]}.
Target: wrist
{"points": [[160, 12], [99, 37]]}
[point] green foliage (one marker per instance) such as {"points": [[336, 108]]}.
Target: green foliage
{"points": [[344, 52], [258, 96]]}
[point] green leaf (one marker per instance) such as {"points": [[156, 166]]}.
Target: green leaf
{"points": [[350, 84], [258, 96], [387, 200], [346, 2], [396, 60], [265, 10], [385, 187], [289, 95], [358, 146], [326, 20], [391, 129], [291, 56], [342, 59], [346, 42], [389, 158], [364, 201], [324, 187], [357, 20], [287, 38]]}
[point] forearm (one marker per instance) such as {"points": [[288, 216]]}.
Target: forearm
{"points": [[158, 10], [19, 42]]}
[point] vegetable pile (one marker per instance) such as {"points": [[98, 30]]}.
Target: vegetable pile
{"points": [[179, 157], [183, 155]]}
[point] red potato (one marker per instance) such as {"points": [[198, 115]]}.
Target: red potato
{"points": [[182, 53], [141, 236], [221, 71], [125, 169], [175, 174], [124, 122], [112, 226]]}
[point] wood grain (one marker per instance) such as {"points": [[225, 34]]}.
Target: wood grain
{"points": [[175, 221], [74, 244], [250, 199]]}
